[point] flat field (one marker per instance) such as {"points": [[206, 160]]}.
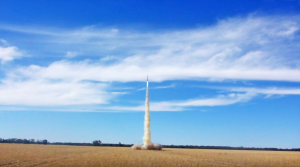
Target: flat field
{"points": [[51, 155]]}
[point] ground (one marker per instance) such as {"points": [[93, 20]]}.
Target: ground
{"points": [[51, 155]]}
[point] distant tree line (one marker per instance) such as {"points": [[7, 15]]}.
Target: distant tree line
{"points": [[24, 141], [229, 148], [99, 143]]}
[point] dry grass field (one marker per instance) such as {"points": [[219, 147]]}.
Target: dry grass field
{"points": [[49, 155]]}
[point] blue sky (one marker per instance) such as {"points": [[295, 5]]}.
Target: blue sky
{"points": [[220, 73]]}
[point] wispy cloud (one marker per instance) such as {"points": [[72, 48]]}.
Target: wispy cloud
{"points": [[221, 100], [183, 105], [33, 30], [251, 48], [119, 93], [159, 87], [70, 54], [232, 98], [164, 87], [9, 53], [243, 48], [4, 42], [259, 90], [108, 58], [269, 91], [49, 93]]}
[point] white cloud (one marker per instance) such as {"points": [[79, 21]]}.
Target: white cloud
{"points": [[114, 30], [221, 100], [268, 91], [47, 93], [251, 48], [119, 93], [71, 54], [164, 87], [4, 42], [32, 30], [9, 53], [135, 70], [159, 87], [108, 58]]}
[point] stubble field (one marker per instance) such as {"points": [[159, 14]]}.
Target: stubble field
{"points": [[50, 155]]}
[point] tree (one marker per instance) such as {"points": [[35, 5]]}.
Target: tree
{"points": [[97, 142], [45, 141]]}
